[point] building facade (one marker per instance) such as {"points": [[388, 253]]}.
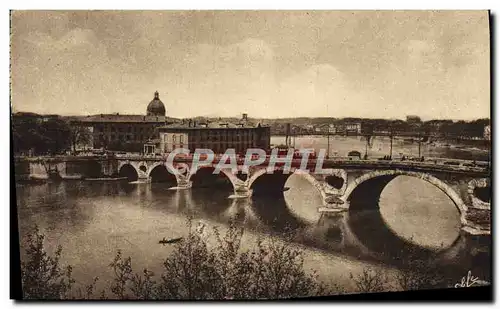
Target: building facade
{"points": [[217, 136], [125, 132], [353, 128], [347, 128]]}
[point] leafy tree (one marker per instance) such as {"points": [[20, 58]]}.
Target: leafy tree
{"points": [[42, 135], [371, 281], [56, 135], [79, 135], [270, 271], [202, 269], [41, 275]]}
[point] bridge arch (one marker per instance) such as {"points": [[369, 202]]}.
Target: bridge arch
{"points": [[128, 170], [388, 175], [204, 171], [158, 172], [281, 180]]}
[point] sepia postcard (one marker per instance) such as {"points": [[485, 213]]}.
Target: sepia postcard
{"points": [[250, 155]]}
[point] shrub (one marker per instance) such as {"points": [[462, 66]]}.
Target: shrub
{"points": [[41, 275], [418, 270], [272, 270], [197, 269], [371, 281]]}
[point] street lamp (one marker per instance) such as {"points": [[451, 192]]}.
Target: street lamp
{"points": [[328, 142], [391, 136], [329, 130]]}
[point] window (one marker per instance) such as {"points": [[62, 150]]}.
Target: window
{"points": [[181, 139], [173, 138]]}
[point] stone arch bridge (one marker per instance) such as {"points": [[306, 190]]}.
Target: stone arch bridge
{"points": [[341, 183]]}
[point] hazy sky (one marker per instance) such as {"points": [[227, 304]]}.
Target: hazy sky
{"points": [[266, 63]]}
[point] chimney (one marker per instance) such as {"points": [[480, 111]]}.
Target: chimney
{"points": [[245, 117], [190, 122], [194, 124]]}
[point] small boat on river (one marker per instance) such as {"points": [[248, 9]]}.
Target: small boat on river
{"points": [[165, 241]]}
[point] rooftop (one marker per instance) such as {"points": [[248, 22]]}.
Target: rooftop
{"points": [[193, 125], [120, 118]]}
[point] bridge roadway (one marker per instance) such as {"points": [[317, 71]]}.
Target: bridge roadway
{"points": [[430, 163], [381, 134]]}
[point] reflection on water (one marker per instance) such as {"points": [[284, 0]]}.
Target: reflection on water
{"points": [[275, 214], [91, 220], [432, 221]]}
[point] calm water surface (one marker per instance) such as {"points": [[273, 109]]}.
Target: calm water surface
{"points": [[91, 221]]}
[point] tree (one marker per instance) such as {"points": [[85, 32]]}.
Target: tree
{"points": [[79, 135], [56, 135], [371, 281], [40, 134], [26, 134], [197, 269], [41, 275], [271, 271]]}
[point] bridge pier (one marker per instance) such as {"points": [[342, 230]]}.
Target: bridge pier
{"points": [[241, 191], [183, 183]]}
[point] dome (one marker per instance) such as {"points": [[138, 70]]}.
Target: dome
{"points": [[156, 107]]}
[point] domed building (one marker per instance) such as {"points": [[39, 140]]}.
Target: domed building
{"points": [[156, 106], [125, 132]]}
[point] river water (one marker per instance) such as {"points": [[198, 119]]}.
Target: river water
{"points": [[91, 221]]}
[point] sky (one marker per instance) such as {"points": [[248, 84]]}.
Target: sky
{"points": [[370, 64]]}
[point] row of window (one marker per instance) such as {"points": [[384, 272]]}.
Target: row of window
{"points": [[222, 146], [220, 132], [129, 129], [127, 137], [174, 138], [233, 138], [222, 138]]}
